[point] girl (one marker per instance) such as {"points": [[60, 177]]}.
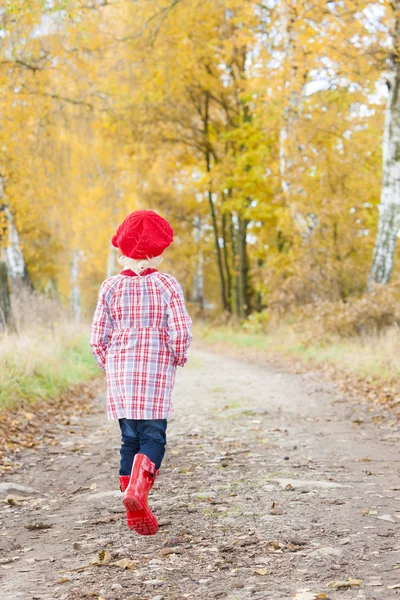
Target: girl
{"points": [[140, 334]]}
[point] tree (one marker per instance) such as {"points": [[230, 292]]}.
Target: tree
{"points": [[389, 207]]}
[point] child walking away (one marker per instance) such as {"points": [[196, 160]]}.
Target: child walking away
{"points": [[140, 334]]}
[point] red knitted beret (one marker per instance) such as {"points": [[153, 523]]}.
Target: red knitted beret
{"points": [[143, 234]]}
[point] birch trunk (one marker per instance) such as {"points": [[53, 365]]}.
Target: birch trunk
{"points": [[5, 301], [198, 282], [12, 252], [111, 262], [288, 121], [16, 265], [75, 288], [389, 207], [288, 143]]}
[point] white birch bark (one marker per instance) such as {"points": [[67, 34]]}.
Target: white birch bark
{"points": [[198, 281], [16, 266], [389, 207], [291, 115], [111, 261], [12, 252], [283, 135], [5, 300], [75, 288]]}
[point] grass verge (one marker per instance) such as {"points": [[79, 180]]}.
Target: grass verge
{"points": [[44, 363], [374, 358]]}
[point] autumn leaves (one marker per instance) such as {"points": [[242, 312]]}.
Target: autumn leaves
{"points": [[256, 129]]}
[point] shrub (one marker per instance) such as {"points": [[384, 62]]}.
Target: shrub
{"points": [[258, 322], [370, 314]]}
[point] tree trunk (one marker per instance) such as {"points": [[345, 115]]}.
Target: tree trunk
{"points": [[243, 269], [198, 281], [207, 155], [289, 167], [235, 263], [224, 302], [75, 288], [389, 208], [291, 108], [9, 239], [16, 265], [5, 302], [228, 274], [111, 261]]}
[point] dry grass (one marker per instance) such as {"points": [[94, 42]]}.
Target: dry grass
{"points": [[375, 357], [360, 335], [46, 354]]}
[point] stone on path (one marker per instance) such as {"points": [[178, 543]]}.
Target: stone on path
{"points": [[7, 488], [327, 551]]}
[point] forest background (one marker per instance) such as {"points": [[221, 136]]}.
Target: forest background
{"points": [[266, 132]]}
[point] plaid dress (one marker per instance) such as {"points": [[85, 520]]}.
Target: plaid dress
{"points": [[140, 334]]}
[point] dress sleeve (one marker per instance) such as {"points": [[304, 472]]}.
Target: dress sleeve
{"points": [[101, 331], [179, 326]]}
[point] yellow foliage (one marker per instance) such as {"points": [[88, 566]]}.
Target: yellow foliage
{"points": [[211, 112]]}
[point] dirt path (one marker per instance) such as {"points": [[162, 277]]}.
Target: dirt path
{"points": [[272, 486]]}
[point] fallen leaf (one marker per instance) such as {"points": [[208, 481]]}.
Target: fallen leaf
{"points": [[124, 563], [276, 511], [108, 519], [358, 420], [14, 501], [36, 526], [103, 558], [275, 545], [169, 551], [261, 571], [309, 596], [337, 584], [387, 518]]}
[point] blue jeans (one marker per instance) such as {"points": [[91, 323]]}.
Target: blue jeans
{"points": [[142, 436]]}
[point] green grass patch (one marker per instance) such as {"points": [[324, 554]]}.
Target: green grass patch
{"points": [[43, 364], [377, 358]]}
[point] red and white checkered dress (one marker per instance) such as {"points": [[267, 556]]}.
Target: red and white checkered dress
{"points": [[140, 334]]}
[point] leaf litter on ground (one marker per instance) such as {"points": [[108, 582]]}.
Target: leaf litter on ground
{"points": [[343, 584], [105, 558], [307, 595]]}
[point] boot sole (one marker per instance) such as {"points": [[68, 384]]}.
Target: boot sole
{"points": [[141, 519]]}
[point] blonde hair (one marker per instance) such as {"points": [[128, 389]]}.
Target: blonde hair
{"points": [[141, 264]]}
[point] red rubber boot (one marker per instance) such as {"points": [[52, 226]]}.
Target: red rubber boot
{"points": [[123, 484], [141, 519]]}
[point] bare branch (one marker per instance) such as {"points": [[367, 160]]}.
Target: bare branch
{"points": [[21, 63]]}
